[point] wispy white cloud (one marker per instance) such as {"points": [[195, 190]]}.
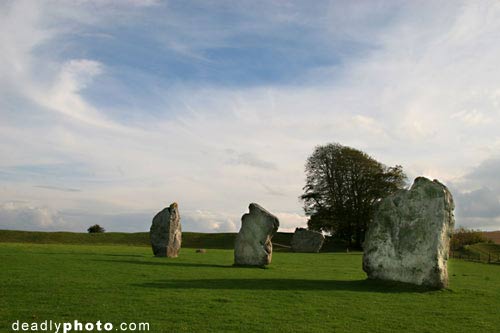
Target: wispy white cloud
{"points": [[418, 87], [471, 117], [248, 159], [57, 188], [63, 96]]}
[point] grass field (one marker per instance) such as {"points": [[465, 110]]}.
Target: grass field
{"points": [[324, 292]]}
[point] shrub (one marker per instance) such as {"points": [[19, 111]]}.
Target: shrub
{"points": [[462, 237], [96, 228]]}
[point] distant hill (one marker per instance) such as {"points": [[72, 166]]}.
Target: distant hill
{"points": [[493, 235]]}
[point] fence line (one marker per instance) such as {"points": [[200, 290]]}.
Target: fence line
{"points": [[490, 258]]}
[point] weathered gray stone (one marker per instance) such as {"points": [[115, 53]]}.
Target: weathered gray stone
{"points": [[304, 240], [408, 240], [253, 245], [165, 233]]}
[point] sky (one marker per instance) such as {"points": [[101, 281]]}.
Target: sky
{"points": [[112, 110]]}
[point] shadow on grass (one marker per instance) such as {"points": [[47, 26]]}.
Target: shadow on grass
{"points": [[288, 284], [365, 285], [170, 262], [91, 254], [164, 262]]}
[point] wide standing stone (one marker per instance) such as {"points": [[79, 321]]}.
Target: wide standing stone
{"points": [[165, 233], [409, 237], [253, 245], [304, 240]]}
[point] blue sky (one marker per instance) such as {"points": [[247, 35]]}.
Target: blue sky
{"points": [[111, 110]]}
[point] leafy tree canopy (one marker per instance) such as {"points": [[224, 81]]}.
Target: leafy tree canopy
{"points": [[343, 186]]}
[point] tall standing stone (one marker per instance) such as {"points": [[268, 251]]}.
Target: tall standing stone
{"points": [[165, 233], [253, 246], [304, 240], [409, 238]]}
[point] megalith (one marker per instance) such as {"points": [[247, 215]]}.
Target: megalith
{"points": [[253, 246], [304, 240], [165, 233], [409, 237]]}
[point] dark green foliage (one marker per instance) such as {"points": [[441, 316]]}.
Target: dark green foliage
{"points": [[95, 229], [343, 185], [333, 244]]}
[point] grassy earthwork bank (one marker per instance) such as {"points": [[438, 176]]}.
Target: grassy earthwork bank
{"points": [[325, 292], [189, 239]]}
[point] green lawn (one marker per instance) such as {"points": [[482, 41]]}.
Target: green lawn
{"points": [[324, 292]]}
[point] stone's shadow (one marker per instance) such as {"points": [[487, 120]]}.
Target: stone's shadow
{"points": [[366, 285], [93, 254], [170, 262], [164, 262], [373, 286], [248, 267], [123, 255]]}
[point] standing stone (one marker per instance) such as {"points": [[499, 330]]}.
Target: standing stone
{"points": [[304, 240], [409, 238], [165, 233], [253, 245]]}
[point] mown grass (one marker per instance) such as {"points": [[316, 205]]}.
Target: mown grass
{"points": [[326, 292]]}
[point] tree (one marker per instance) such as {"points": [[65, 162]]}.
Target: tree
{"points": [[96, 228], [343, 186]]}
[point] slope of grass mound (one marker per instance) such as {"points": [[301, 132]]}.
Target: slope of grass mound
{"points": [[485, 252]]}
